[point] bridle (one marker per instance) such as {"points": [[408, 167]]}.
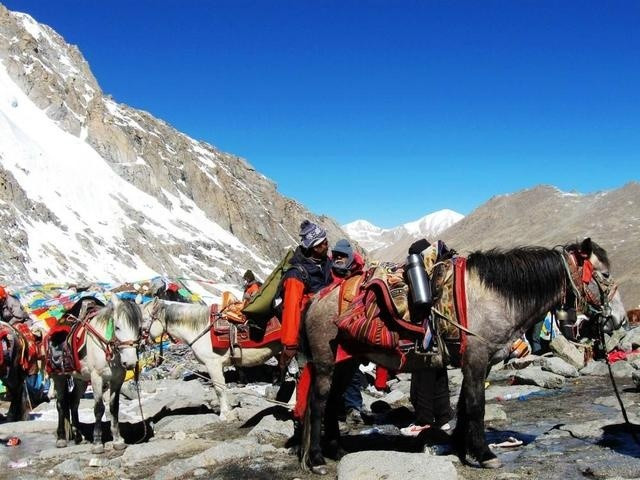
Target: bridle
{"points": [[592, 289], [109, 345]]}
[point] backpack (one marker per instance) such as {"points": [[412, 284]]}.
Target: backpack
{"points": [[263, 305]]}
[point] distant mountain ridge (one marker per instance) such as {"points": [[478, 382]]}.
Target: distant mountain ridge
{"points": [[375, 239]]}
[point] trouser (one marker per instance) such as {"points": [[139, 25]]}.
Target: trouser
{"points": [[430, 396], [352, 395]]}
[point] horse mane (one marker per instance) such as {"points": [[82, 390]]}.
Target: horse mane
{"points": [[192, 316], [527, 276], [132, 313]]}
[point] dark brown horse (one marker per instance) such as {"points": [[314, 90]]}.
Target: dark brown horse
{"points": [[506, 292]]}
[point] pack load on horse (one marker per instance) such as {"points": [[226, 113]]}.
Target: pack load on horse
{"points": [[19, 355], [98, 346], [481, 305]]}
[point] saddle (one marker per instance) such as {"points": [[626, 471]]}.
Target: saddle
{"points": [[380, 316], [64, 346], [230, 329]]}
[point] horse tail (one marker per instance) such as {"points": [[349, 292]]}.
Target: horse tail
{"points": [[305, 441]]}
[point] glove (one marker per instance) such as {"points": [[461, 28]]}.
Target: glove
{"points": [[288, 352]]}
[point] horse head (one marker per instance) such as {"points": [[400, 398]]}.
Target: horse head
{"points": [[153, 324], [596, 292], [126, 319]]}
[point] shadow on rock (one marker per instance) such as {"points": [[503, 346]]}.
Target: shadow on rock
{"points": [[623, 438]]}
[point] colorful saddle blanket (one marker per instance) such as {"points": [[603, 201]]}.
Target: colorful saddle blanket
{"points": [[64, 345], [18, 340], [231, 334], [379, 315]]}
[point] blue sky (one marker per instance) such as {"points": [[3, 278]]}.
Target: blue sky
{"points": [[383, 110]]}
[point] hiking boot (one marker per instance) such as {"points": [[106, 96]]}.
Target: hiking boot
{"points": [[353, 418]]}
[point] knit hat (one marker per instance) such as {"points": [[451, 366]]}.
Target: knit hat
{"points": [[311, 234]]}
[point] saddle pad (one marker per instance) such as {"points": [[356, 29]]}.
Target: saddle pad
{"points": [[221, 334]]}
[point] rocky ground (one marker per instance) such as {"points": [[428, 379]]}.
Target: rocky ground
{"points": [[569, 422]]}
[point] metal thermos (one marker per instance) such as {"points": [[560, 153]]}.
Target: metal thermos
{"points": [[418, 281]]}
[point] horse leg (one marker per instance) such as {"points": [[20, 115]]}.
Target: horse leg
{"points": [[114, 406], [342, 375], [62, 405], [98, 412], [216, 374], [312, 447], [469, 432], [80, 386]]}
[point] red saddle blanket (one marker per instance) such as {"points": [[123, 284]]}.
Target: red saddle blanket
{"points": [[224, 333], [64, 346], [23, 343]]}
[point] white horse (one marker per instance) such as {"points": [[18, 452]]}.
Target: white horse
{"points": [[190, 323], [112, 338]]}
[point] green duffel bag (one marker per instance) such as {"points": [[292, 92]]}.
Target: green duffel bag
{"points": [[261, 306]]}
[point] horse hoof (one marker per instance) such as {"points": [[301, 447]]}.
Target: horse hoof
{"points": [[60, 443], [119, 446], [491, 463], [320, 470], [98, 449]]}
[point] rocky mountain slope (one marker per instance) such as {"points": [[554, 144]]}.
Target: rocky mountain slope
{"points": [[91, 189], [547, 216]]}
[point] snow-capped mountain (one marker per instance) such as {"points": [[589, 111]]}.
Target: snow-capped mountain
{"points": [[376, 239], [93, 190]]}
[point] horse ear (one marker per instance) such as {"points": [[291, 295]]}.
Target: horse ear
{"points": [[586, 248]]}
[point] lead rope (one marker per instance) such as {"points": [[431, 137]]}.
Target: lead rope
{"points": [[136, 378]]}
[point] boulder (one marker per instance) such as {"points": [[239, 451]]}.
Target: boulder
{"points": [[367, 465]]}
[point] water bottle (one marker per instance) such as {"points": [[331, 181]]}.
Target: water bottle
{"points": [[418, 281]]}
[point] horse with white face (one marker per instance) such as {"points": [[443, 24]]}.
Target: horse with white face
{"points": [[191, 324], [112, 337]]}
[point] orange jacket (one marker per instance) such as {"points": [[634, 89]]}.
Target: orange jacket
{"points": [[251, 290], [295, 301]]}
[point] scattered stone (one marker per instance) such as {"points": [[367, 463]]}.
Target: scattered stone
{"points": [[394, 466], [595, 368], [558, 366], [520, 363], [70, 468], [186, 423], [269, 427], [198, 472], [536, 376], [494, 412], [563, 349], [612, 340], [143, 452], [622, 369]]}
